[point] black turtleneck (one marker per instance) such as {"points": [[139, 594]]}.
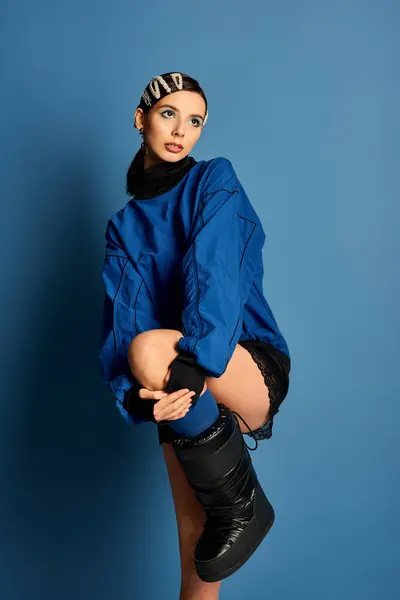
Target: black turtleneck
{"points": [[144, 183], [185, 372]]}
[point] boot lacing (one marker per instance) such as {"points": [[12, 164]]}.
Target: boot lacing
{"points": [[250, 431]]}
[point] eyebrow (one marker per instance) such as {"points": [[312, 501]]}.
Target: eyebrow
{"points": [[174, 107]]}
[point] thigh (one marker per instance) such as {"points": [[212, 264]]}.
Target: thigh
{"points": [[242, 388]]}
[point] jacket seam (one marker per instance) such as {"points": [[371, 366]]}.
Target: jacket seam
{"points": [[233, 191], [240, 266], [108, 254], [195, 262], [114, 320], [134, 305], [250, 236], [197, 300]]}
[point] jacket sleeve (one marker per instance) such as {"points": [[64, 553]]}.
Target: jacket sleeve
{"points": [[115, 370], [114, 366], [218, 270]]}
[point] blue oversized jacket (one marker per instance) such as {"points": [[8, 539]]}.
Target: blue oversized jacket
{"points": [[189, 259]]}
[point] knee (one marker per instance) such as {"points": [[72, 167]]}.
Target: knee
{"points": [[147, 340], [143, 352], [141, 342], [150, 353]]}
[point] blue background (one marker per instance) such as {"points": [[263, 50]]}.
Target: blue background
{"points": [[303, 99]]}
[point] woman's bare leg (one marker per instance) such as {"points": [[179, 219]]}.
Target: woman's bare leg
{"points": [[190, 518], [243, 389]]}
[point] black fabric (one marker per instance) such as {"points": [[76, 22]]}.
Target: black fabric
{"points": [[156, 180], [275, 367], [186, 373], [281, 358], [268, 350], [139, 406], [275, 378]]}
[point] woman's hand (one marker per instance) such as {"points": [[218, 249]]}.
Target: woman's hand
{"points": [[169, 406]]}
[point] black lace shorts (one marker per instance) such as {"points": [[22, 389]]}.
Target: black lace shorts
{"points": [[275, 367]]}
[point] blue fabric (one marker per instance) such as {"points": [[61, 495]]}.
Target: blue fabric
{"points": [[199, 418], [191, 260]]}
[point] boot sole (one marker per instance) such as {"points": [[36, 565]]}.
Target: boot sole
{"points": [[251, 538]]}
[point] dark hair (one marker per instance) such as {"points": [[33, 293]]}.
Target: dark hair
{"points": [[189, 84]]}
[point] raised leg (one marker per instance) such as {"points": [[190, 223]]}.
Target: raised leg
{"points": [[241, 387]]}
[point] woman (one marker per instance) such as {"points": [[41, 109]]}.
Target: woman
{"points": [[189, 340]]}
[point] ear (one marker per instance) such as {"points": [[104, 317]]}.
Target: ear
{"points": [[138, 118]]}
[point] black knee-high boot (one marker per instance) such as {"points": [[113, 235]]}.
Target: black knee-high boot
{"points": [[218, 467]]}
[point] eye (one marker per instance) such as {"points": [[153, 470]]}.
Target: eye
{"points": [[168, 110]]}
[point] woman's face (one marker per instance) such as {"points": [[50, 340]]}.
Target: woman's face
{"points": [[177, 118]]}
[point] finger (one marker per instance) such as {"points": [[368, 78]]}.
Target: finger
{"points": [[159, 395], [177, 414], [174, 417], [181, 405], [171, 398], [181, 414], [170, 412], [183, 411], [146, 394], [166, 411]]}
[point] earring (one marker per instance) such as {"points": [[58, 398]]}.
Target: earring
{"points": [[142, 144]]}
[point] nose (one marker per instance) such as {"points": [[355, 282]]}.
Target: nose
{"points": [[178, 130]]}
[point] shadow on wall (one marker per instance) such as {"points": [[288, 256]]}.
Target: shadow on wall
{"points": [[71, 457]]}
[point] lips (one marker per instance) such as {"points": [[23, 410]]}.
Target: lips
{"points": [[174, 148]]}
